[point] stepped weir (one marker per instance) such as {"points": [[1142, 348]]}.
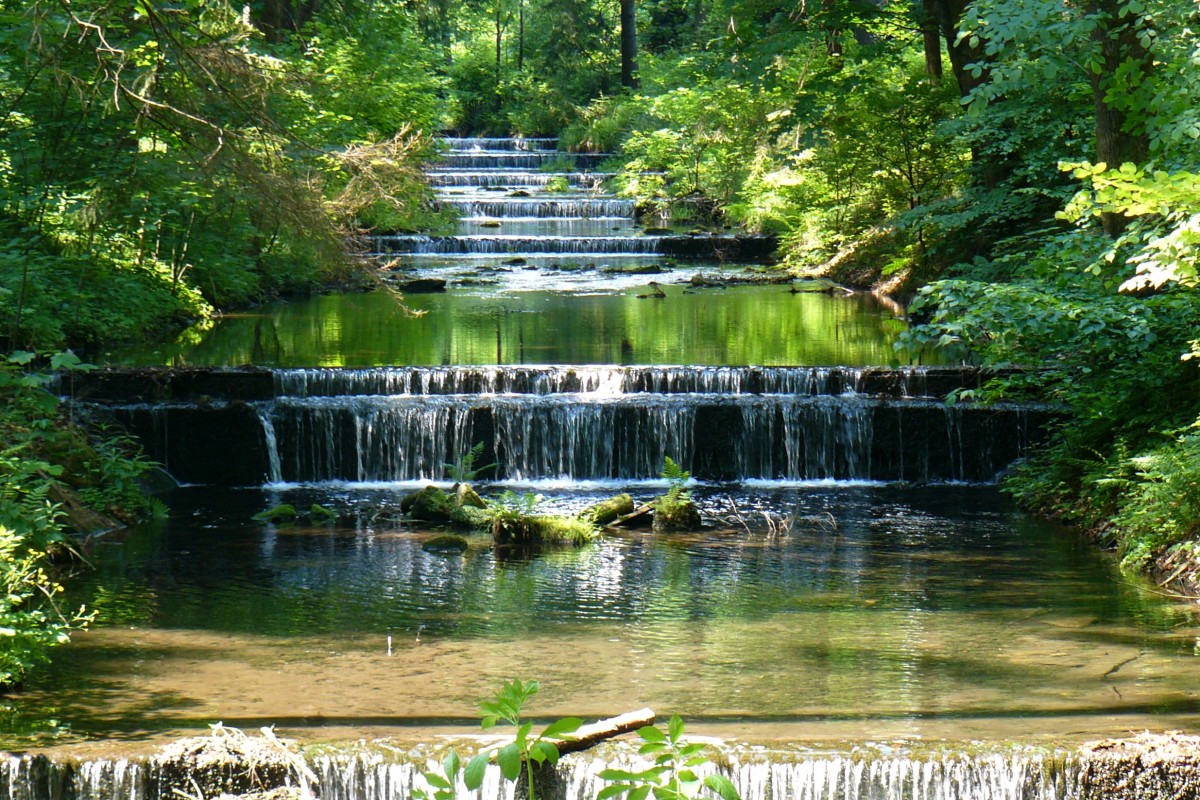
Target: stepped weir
{"points": [[1064, 775], [577, 423]]}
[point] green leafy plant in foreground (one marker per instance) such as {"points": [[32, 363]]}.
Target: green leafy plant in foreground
{"points": [[673, 776], [525, 751]]}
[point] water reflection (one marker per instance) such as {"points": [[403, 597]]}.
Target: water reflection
{"points": [[764, 325], [931, 604]]}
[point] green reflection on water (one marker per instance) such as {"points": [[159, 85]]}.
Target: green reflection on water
{"points": [[940, 604], [762, 325]]}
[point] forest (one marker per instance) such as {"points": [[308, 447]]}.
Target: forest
{"points": [[1024, 175]]}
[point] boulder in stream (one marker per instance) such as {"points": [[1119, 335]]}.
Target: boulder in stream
{"points": [[430, 504], [423, 286]]}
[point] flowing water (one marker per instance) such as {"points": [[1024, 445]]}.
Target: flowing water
{"points": [[863, 600]]}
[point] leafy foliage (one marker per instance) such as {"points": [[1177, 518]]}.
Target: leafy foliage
{"points": [[673, 776], [43, 455], [464, 469]]}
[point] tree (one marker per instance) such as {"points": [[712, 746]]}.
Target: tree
{"points": [[629, 76]]}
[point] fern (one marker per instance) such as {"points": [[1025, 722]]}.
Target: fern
{"points": [[675, 474], [677, 477], [463, 470]]}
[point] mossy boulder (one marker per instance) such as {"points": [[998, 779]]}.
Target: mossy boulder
{"points": [[283, 512], [465, 496], [447, 544], [319, 513], [528, 531], [430, 504], [676, 514], [608, 510]]}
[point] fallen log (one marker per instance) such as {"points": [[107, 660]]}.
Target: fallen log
{"points": [[640, 517], [588, 736]]}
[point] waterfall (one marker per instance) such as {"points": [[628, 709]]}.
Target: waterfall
{"points": [[601, 379], [517, 159], [577, 208], [499, 143], [369, 775], [780, 437], [524, 245], [512, 178]]}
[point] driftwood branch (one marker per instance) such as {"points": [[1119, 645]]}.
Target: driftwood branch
{"points": [[591, 735]]}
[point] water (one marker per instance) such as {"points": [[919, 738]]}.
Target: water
{"points": [[883, 612], [484, 325], [547, 277]]}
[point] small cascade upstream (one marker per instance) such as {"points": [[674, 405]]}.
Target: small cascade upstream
{"points": [[502, 182]]}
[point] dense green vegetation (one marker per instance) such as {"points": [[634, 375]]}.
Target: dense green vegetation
{"points": [[54, 477], [158, 161]]}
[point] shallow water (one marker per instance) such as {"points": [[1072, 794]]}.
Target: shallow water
{"points": [[883, 612]]}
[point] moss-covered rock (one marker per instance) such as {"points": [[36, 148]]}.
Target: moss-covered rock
{"points": [[676, 514], [319, 513], [447, 544], [542, 529], [608, 510], [430, 504], [466, 497], [283, 512]]}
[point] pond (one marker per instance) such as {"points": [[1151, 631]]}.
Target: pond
{"points": [[859, 612], [739, 325]]}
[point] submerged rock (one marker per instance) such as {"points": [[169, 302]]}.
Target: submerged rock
{"points": [[423, 286], [279, 513], [635, 269], [447, 544]]}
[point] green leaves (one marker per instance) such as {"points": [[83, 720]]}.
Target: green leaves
{"points": [[525, 750], [673, 776]]}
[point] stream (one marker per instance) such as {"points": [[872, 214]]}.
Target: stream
{"points": [[864, 606]]}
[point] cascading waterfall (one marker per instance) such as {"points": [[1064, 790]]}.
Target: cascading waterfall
{"points": [[500, 143], [609, 380], [580, 208], [587, 423], [481, 179], [524, 245], [369, 775], [627, 437]]}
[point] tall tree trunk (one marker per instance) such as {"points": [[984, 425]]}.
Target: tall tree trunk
{"points": [[963, 54], [932, 38], [280, 17], [520, 35], [1117, 141], [965, 58], [629, 77], [499, 40]]}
